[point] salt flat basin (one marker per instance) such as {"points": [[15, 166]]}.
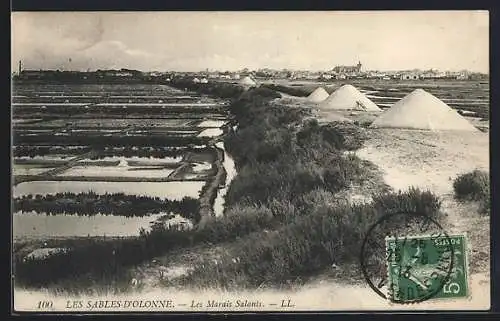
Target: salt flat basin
{"points": [[96, 130], [36, 226], [200, 167], [21, 169], [47, 104], [163, 190], [173, 132], [117, 122], [368, 92], [384, 97], [211, 132], [212, 123], [20, 121], [40, 130], [191, 104], [452, 103], [153, 97], [114, 171], [136, 160], [153, 160], [52, 157], [69, 96]]}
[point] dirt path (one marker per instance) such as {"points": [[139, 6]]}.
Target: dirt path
{"points": [[431, 161], [163, 271]]}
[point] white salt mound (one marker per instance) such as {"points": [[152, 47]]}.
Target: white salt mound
{"points": [[348, 97], [422, 110], [247, 81], [317, 95]]}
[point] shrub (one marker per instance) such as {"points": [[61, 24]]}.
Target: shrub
{"points": [[344, 136], [308, 202], [474, 186], [238, 221], [485, 206], [282, 209], [276, 143], [412, 201], [264, 92], [330, 232], [327, 235], [340, 171], [339, 135]]}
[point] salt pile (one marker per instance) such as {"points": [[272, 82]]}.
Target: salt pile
{"points": [[422, 110], [123, 163], [317, 95], [247, 81], [348, 97]]}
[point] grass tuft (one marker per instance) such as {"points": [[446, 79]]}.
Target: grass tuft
{"points": [[474, 186]]}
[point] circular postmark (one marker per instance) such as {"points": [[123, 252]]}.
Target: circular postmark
{"points": [[406, 257]]}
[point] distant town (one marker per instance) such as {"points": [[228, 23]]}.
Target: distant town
{"points": [[336, 73]]}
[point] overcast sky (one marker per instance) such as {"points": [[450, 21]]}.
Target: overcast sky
{"points": [[190, 41]]}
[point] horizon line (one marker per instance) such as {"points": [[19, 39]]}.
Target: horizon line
{"points": [[251, 70]]}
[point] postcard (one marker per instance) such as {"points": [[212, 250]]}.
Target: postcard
{"points": [[250, 161]]}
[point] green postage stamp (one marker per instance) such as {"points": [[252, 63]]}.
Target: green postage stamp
{"points": [[427, 267]]}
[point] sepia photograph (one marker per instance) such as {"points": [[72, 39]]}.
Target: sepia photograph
{"points": [[232, 161]]}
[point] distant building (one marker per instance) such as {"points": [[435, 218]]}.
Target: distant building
{"points": [[124, 74], [478, 76], [120, 73], [32, 73], [155, 74], [410, 76], [432, 74], [463, 75], [348, 69]]}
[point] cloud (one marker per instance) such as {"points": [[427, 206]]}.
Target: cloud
{"points": [[77, 54], [199, 40]]}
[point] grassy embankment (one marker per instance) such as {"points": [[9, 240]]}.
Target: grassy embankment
{"points": [[283, 207], [299, 92], [282, 210], [91, 203]]}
